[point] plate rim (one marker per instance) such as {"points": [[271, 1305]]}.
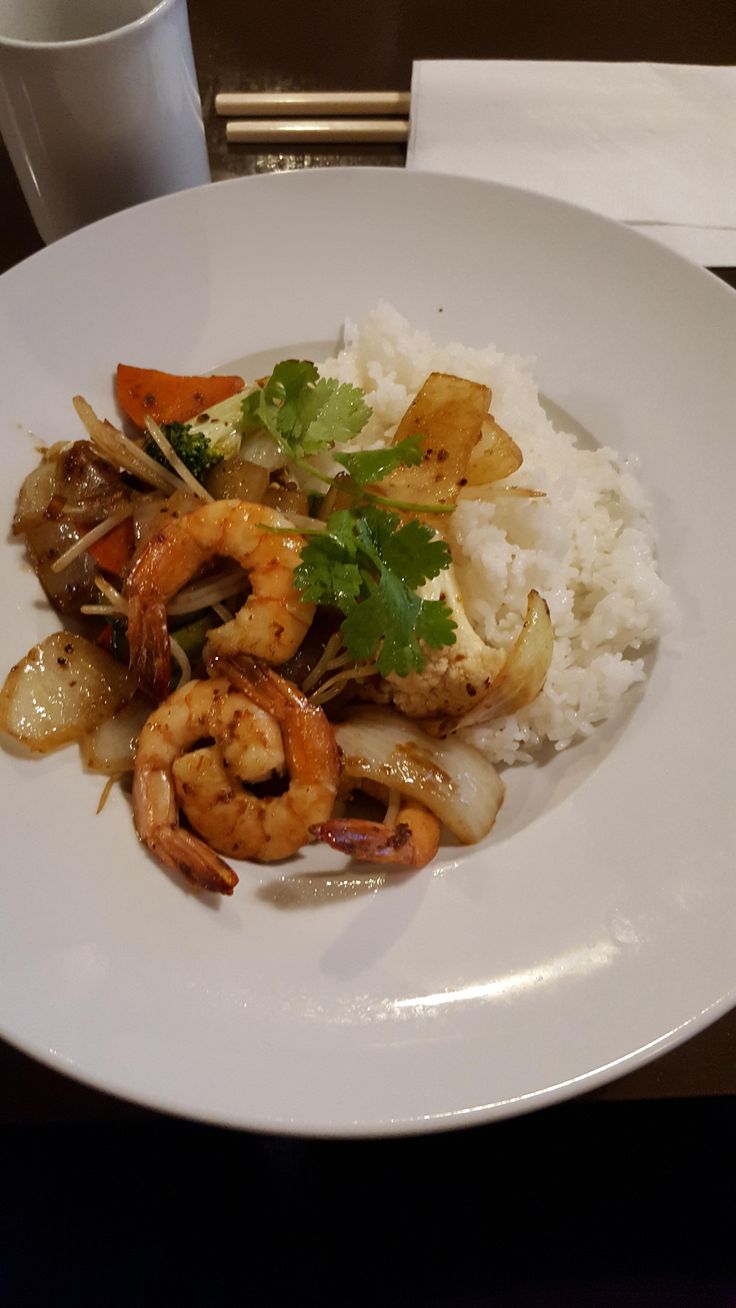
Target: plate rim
{"points": [[481, 1113]]}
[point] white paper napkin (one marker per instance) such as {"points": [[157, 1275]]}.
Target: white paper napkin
{"points": [[653, 145]]}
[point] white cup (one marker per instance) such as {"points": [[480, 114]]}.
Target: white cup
{"points": [[99, 106]]}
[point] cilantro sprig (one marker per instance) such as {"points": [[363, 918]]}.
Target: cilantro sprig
{"points": [[368, 563], [305, 413], [373, 465], [369, 566]]}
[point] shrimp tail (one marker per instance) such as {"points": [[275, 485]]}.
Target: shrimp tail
{"points": [[412, 842], [264, 687], [182, 852], [370, 842], [148, 638]]}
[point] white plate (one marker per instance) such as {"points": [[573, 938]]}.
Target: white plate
{"points": [[595, 928]]}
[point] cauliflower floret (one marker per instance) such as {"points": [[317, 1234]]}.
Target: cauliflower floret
{"points": [[453, 678]]}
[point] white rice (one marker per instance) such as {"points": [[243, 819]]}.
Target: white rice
{"points": [[587, 547]]}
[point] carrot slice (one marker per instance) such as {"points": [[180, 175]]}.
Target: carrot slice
{"points": [[113, 551], [143, 392]]}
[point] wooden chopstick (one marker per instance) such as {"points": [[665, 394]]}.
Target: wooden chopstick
{"points": [[290, 131], [290, 104]]}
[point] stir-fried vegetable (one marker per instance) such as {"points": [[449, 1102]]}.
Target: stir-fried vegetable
{"points": [[123, 453], [303, 412], [221, 425], [495, 456], [447, 413], [192, 447], [237, 479], [451, 778], [390, 616], [110, 747], [521, 677], [46, 544], [61, 690], [372, 465], [523, 674], [114, 551], [369, 565], [452, 677], [70, 491], [147, 393]]}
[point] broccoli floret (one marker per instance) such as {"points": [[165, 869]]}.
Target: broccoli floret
{"points": [[193, 448]]}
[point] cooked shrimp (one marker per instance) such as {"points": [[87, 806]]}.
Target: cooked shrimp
{"points": [[179, 722], [274, 619], [232, 818], [412, 842], [261, 725]]}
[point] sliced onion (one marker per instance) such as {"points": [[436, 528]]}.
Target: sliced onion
{"points": [[451, 778], [111, 747], [35, 495], [91, 537], [67, 590], [154, 512], [496, 456], [61, 690], [523, 674], [71, 479], [208, 592], [88, 480], [123, 453]]}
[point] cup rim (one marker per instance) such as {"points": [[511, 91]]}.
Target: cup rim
{"points": [[17, 43]]}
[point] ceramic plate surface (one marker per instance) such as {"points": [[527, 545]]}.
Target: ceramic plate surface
{"points": [[596, 926]]}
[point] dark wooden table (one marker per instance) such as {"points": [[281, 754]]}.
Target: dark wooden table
{"points": [[370, 44]]}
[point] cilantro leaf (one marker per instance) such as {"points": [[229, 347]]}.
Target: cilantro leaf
{"points": [[389, 614], [284, 393], [341, 527], [274, 406], [372, 465], [326, 576], [304, 412], [333, 412], [412, 552], [369, 564], [435, 625]]}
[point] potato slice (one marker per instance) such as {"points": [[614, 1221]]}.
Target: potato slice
{"points": [[495, 456], [447, 412], [61, 690]]}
